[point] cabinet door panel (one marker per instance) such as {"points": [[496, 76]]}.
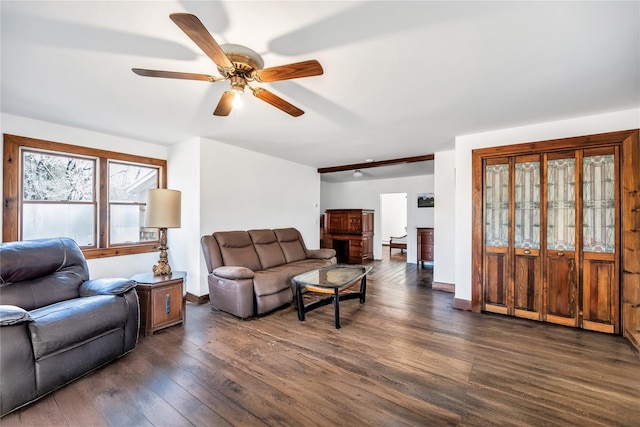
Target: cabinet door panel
{"points": [[337, 222], [562, 289], [527, 285], [599, 295], [496, 282]]}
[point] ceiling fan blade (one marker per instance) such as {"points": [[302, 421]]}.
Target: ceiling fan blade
{"points": [[225, 104], [291, 71], [175, 75], [197, 32], [277, 102]]}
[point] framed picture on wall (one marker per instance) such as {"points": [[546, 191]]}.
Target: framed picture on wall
{"points": [[426, 200]]}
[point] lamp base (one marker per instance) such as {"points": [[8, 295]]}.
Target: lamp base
{"points": [[162, 268]]}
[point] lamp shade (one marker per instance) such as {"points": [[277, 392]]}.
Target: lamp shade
{"points": [[163, 208]]}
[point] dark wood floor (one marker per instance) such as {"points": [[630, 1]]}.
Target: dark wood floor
{"points": [[404, 358]]}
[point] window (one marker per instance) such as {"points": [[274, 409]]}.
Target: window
{"points": [[96, 197], [128, 185]]}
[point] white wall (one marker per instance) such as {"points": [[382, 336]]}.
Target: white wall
{"points": [[184, 243], [366, 195], [393, 215], [121, 266], [622, 120], [444, 218]]}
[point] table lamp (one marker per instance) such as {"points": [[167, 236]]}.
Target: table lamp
{"points": [[163, 211]]}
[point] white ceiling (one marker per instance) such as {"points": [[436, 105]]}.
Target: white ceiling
{"points": [[400, 79]]}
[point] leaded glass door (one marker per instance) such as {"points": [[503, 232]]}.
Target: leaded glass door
{"points": [[527, 293], [497, 270], [561, 275], [600, 219]]}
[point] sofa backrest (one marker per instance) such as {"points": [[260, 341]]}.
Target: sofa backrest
{"points": [[267, 248], [291, 243], [37, 273], [236, 248]]}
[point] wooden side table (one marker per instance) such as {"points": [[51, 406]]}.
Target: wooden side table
{"points": [[162, 300]]}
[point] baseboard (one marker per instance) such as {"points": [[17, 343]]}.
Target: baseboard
{"points": [[462, 304], [202, 299], [445, 287]]}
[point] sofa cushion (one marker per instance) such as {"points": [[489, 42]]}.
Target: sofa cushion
{"points": [[267, 247], [237, 249], [291, 244], [271, 281], [68, 323]]}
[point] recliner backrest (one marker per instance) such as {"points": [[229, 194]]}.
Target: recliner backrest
{"points": [[291, 243], [237, 249], [267, 248], [37, 273]]}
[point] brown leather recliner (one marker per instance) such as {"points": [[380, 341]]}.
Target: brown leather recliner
{"points": [[55, 324], [250, 272]]}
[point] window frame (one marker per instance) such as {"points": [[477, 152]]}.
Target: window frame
{"points": [[12, 199]]}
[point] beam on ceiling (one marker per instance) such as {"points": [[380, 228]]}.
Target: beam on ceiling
{"points": [[376, 164]]}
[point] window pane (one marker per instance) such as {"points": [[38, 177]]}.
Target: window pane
{"points": [[127, 225], [561, 204], [129, 183], [76, 221], [57, 178], [599, 221], [497, 205], [527, 209]]}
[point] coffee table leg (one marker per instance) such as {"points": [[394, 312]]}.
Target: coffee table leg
{"points": [[300, 302], [363, 289], [336, 307]]}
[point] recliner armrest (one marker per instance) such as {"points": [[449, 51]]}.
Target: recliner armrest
{"points": [[12, 315], [106, 287], [324, 253], [233, 273]]}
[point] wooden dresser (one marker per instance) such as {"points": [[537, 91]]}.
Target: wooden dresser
{"points": [[425, 245], [350, 233]]}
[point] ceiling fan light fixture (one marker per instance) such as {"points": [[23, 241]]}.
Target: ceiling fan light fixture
{"points": [[237, 99], [237, 88], [357, 174]]}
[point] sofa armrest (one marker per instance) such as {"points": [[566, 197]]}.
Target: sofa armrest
{"points": [[106, 287], [324, 253], [233, 273], [12, 315]]}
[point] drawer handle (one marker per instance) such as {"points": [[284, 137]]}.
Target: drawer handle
{"points": [[167, 304], [560, 253], [527, 251]]}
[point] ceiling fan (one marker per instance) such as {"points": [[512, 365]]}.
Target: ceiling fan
{"points": [[238, 64]]}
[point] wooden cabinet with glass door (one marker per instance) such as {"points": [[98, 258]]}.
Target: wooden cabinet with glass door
{"points": [[550, 249]]}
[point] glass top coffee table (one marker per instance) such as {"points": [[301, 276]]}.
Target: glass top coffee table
{"points": [[334, 280]]}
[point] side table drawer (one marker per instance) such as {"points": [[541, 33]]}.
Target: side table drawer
{"points": [[167, 305]]}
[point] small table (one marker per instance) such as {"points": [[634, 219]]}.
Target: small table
{"points": [[162, 300], [334, 280]]}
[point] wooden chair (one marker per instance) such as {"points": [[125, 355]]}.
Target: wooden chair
{"points": [[398, 243]]}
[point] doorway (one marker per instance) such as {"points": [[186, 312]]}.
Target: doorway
{"points": [[393, 218]]}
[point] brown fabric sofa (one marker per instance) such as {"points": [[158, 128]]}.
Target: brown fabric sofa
{"points": [[250, 271]]}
